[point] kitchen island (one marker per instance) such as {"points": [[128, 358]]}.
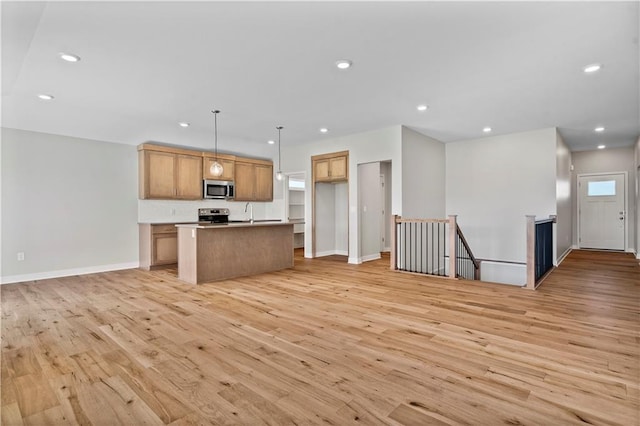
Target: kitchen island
{"points": [[215, 252]]}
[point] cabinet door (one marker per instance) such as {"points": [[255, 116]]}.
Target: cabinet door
{"points": [[338, 168], [321, 169], [227, 169], [160, 174], [165, 249], [264, 183], [189, 177], [245, 182]]}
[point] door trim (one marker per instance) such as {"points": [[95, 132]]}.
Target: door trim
{"points": [[626, 203]]}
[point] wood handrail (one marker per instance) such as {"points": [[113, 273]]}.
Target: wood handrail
{"points": [[399, 220], [475, 261]]}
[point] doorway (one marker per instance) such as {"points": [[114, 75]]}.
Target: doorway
{"points": [[602, 211], [374, 198], [295, 206]]}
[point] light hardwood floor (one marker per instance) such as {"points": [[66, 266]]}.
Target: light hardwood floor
{"points": [[325, 343]]}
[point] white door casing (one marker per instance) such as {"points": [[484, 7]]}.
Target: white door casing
{"points": [[602, 211], [383, 221]]}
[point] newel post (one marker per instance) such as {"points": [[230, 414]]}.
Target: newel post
{"points": [[394, 238], [453, 229], [531, 252]]}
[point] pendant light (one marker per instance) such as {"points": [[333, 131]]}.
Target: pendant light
{"points": [[216, 168], [279, 173]]}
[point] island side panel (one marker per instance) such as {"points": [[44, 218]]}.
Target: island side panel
{"points": [[228, 252], [187, 255]]}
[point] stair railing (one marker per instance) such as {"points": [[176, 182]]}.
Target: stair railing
{"points": [[539, 250], [467, 266], [432, 247]]}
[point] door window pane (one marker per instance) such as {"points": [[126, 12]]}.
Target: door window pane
{"points": [[601, 188]]}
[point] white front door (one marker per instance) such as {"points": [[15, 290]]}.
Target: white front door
{"points": [[602, 212]]}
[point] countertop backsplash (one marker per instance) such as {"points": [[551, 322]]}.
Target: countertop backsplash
{"points": [[164, 211]]}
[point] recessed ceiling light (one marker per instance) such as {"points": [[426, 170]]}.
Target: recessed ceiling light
{"points": [[324, 130], [69, 57], [45, 97], [487, 129], [270, 142], [589, 69], [602, 146], [343, 64], [599, 129], [183, 124], [422, 107]]}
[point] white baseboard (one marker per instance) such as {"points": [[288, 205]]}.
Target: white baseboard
{"points": [[369, 257], [332, 253], [503, 272], [67, 272], [563, 256], [359, 260]]}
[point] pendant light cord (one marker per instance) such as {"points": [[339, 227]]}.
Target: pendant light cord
{"points": [[279, 159], [215, 126]]}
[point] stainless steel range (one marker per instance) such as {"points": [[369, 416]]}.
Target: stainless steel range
{"points": [[207, 216]]}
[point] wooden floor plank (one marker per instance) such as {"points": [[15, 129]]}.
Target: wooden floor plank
{"points": [[325, 342]]}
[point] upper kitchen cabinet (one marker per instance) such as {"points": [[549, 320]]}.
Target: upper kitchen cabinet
{"points": [[253, 180], [169, 173], [333, 167], [227, 162]]}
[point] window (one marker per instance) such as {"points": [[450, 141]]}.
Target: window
{"points": [[601, 188], [296, 184]]}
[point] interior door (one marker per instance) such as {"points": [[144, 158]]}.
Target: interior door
{"points": [[602, 212]]}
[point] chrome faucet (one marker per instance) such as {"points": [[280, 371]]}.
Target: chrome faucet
{"points": [[250, 211]]}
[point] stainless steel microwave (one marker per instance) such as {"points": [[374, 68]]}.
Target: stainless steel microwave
{"points": [[218, 189]]}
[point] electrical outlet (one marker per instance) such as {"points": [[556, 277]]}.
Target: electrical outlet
{"points": [[20, 256]]}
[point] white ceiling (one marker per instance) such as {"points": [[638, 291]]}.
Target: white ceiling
{"points": [[148, 65]]}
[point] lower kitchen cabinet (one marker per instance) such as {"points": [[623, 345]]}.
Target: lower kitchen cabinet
{"points": [[158, 245]]}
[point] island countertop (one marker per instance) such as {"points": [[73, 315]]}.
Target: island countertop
{"points": [[213, 252], [243, 224]]}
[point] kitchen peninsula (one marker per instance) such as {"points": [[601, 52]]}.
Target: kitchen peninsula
{"points": [[214, 252]]}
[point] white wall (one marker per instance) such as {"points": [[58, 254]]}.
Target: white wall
{"points": [[385, 170], [419, 159], [492, 184], [564, 206], [332, 230], [341, 218], [637, 194], [69, 204], [163, 211], [326, 228], [604, 161], [378, 145], [423, 176], [370, 209]]}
